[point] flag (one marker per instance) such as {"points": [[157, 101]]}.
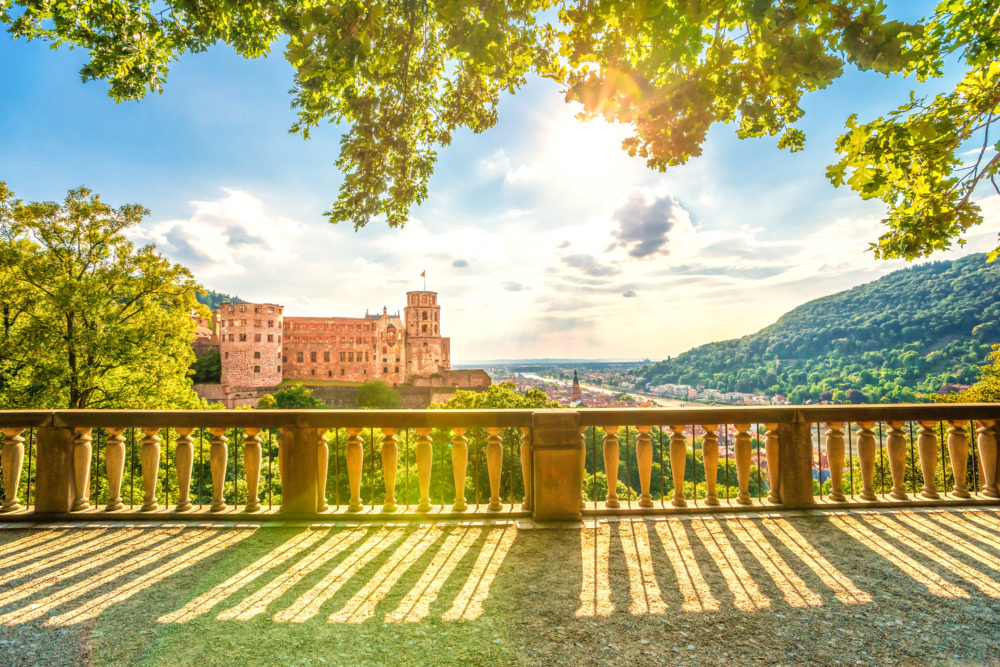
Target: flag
{"points": [[423, 274]]}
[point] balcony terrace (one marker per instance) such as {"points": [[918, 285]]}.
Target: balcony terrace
{"points": [[408, 536]]}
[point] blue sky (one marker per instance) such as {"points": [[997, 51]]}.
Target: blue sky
{"points": [[542, 237]]}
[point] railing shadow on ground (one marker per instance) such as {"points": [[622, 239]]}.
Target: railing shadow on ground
{"points": [[188, 581]]}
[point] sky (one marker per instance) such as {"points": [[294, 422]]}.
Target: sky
{"points": [[542, 238]]}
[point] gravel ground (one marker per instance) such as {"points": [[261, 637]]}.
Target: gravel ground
{"points": [[881, 587]]}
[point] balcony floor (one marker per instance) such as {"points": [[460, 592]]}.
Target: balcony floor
{"points": [[875, 586]]}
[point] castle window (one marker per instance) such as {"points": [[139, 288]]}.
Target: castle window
{"points": [[298, 357], [385, 370], [423, 328], [227, 355], [366, 356], [256, 338], [243, 338], [270, 338], [350, 356], [397, 369], [424, 316], [279, 338], [243, 309], [279, 369], [385, 350], [365, 371], [343, 356], [329, 374], [231, 338], [256, 369], [312, 371], [256, 355], [312, 357], [435, 317], [341, 371], [270, 310], [284, 359], [258, 323], [243, 323], [435, 328]]}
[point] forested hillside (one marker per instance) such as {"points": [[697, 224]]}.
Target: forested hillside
{"points": [[212, 299], [896, 339]]}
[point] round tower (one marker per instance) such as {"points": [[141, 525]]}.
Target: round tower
{"points": [[250, 344], [422, 314]]}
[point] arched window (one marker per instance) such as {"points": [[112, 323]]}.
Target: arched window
{"points": [[423, 328]]}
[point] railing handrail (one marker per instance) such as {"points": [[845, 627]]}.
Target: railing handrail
{"points": [[504, 418], [786, 414]]}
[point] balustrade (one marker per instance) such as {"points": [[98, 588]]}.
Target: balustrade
{"points": [[129, 464]]}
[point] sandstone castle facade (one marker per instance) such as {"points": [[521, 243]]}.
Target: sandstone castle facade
{"points": [[259, 348]]}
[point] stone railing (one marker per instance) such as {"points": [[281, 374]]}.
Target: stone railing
{"points": [[549, 464]]}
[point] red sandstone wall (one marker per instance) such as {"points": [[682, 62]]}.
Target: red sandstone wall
{"points": [[250, 339]]}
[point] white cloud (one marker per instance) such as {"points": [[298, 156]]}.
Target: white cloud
{"points": [[229, 236]]}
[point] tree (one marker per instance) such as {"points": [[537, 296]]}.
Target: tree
{"points": [[986, 390], [294, 397], [378, 394], [405, 75], [89, 320], [207, 369]]}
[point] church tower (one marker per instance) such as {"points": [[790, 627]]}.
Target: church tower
{"points": [[426, 351], [577, 394]]}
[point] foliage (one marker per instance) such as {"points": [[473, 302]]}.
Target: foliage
{"points": [[212, 299], [503, 395], [915, 159], [404, 76], [293, 397], [378, 394], [986, 390], [207, 369], [89, 320], [896, 339]]}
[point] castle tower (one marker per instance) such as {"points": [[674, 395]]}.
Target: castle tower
{"points": [[426, 351], [577, 392], [250, 344]]}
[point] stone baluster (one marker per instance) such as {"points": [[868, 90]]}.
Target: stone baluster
{"points": [[423, 452], [390, 457], [866, 456], [114, 461], [459, 464], [835, 458], [218, 458], [744, 450], [526, 468], [12, 460], [82, 452], [355, 455], [710, 457], [149, 458], [986, 442], [611, 465], [184, 461], [771, 451], [322, 468], [958, 452], [678, 463], [494, 463], [583, 467], [644, 463], [927, 449], [895, 445], [252, 455]]}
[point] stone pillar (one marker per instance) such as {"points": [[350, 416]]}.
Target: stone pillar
{"points": [[556, 476], [795, 452], [297, 463], [54, 472], [11, 459]]}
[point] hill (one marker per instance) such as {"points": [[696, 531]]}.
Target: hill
{"points": [[213, 299], [895, 339]]}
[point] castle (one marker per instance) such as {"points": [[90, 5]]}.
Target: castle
{"points": [[259, 347]]}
